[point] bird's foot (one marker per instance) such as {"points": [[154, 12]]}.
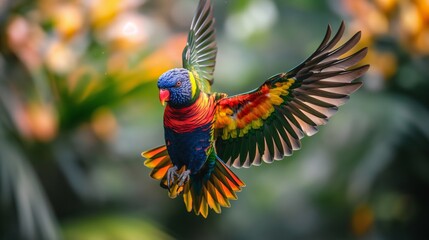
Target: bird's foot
{"points": [[171, 173], [184, 177]]}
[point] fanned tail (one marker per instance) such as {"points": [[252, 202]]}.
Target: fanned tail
{"points": [[212, 188]]}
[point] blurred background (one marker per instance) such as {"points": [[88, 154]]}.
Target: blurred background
{"points": [[79, 103]]}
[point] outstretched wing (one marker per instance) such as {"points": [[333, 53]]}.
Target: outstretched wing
{"points": [[199, 55], [267, 123]]}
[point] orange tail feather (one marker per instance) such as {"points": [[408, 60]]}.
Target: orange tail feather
{"points": [[199, 194], [212, 193]]}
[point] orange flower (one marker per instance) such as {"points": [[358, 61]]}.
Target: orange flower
{"points": [[102, 12], [362, 220], [406, 21], [24, 39], [60, 57], [104, 124], [386, 5], [166, 57], [68, 19], [35, 121]]}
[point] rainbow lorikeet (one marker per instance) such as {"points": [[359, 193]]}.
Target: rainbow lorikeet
{"points": [[207, 132]]}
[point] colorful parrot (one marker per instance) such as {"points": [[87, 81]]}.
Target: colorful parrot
{"points": [[207, 132]]}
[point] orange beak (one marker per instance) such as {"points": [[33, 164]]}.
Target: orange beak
{"points": [[164, 96]]}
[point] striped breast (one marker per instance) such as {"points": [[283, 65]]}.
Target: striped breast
{"points": [[188, 119]]}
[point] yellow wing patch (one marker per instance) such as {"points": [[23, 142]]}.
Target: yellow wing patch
{"points": [[253, 109]]}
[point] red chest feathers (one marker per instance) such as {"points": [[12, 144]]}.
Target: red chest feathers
{"points": [[189, 118]]}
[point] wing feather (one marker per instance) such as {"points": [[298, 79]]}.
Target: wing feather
{"points": [[199, 55], [267, 123]]}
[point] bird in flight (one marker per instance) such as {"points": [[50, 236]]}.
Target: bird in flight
{"points": [[207, 132]]}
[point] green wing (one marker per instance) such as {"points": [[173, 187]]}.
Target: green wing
{"points": [[199, 55], [268, 123]]}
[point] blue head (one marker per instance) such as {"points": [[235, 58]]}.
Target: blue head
{"points": [[177, 87]]}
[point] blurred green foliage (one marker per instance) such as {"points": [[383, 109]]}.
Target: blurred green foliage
{"points": [[112, 227], [78, 103]]}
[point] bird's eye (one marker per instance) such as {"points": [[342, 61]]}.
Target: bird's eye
{"points": [[178, 83]]}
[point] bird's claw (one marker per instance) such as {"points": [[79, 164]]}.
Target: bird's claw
{"points": [[173, 176], [171, 173], [184, 177]]}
